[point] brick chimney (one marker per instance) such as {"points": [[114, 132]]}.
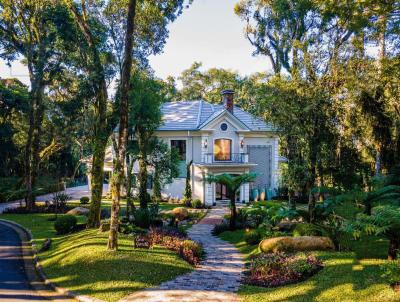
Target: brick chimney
{"points": [[227, 99]]}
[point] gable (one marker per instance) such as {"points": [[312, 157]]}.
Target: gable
{"points": [[215, 120]]}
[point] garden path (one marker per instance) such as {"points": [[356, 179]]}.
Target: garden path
{"points": [[216, 279]]}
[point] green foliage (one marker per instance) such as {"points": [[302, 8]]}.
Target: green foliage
{"points": [[391, 271], [188, 187], [84, 200], [142, 218], [253, 237], [65, 224], [196, 204], [307, 229]]}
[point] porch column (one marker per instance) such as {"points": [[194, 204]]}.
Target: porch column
{"points": [[208, 194], [245, 193]]}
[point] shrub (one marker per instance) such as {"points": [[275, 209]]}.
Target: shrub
{"points": [[391, 271], [271, 270], [105, 213], [220, 228], [197, 204], [191, 251], [142, 218], [252, 237], [180, 213], [65, 224], [187, 202], [84, 200], [294, 244], [307, 229]]}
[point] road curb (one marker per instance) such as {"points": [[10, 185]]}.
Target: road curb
{"points": [[36, 268]]}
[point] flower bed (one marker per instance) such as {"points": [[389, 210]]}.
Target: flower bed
{"points": [[271, 270], [177, 241]]}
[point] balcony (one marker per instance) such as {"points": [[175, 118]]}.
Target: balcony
{"points": [[233, 158]]}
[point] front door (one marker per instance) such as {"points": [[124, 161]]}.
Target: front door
{"points": [[221, 192]]}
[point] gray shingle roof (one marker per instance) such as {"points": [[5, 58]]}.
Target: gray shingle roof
{"points": [[192, 115]]}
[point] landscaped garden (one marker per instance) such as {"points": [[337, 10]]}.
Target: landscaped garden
{"points": [[76, 258], [345, 259]]}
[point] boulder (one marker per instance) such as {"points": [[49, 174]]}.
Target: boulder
{"points": [[286, 226], [296, 244], [78, 211]]}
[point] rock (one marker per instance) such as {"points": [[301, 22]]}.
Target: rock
{"points": [[296, 244], [286, 226], [180, 213], [45, 245], [104, 226], [78, 211]]}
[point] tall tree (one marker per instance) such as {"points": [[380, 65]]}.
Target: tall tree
{"points": [[31, 29], [123, 127], [145, 100], [87, 21]]}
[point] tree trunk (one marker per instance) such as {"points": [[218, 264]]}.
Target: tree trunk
{"points": [[142, 176], [394, 246], [311, 207], [123, 125], [32, 148], [100, 131], [232, 219], [128, 180]]}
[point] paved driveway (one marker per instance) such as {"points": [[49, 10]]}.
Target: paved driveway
{"points": [[14, 283], [75, 193]]}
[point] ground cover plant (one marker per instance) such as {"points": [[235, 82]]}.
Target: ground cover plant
{"points": [[271, 270]]}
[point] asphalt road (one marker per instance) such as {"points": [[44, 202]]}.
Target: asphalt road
{"points": [[14, 285]]}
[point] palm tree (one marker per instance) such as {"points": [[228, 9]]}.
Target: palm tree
{"points": [[232, 184]]}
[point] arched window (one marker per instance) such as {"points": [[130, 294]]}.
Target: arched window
{"points": [[223, 149]]}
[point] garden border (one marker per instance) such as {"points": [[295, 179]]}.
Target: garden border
{"points": [[33, 268]]}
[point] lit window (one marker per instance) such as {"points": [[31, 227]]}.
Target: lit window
{"points": [[222, 149]]}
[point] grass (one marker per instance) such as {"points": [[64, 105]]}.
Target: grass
{"points": [[345, 277], [81, 263]]}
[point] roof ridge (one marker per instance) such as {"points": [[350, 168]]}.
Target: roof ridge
{"points": [[199, 113]]}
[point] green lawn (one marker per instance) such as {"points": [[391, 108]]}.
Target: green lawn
{"points": [[346, 277], [81, 263]]}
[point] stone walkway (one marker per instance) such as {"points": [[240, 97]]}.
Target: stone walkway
{"points": [[216, 279]]}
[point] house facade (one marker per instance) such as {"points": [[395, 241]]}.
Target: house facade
{"points": [[219, 139]]}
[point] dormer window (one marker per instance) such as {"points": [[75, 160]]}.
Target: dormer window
{"points": [[224, 126], [223, 149]]}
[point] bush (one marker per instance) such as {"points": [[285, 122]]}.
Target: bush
{"points": [[271, 270], [295, 244], [187, 202], [65, 224], [84, 200], [180, 213], [252, 237], [191, 251], [307, 229], [220, 228], [197, 204], [391, 271], [142, 218]]}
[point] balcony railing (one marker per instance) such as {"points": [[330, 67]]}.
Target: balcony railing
{"points": [[238, 158]]}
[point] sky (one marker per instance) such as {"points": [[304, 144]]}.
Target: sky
{"points": [[208, 32]]}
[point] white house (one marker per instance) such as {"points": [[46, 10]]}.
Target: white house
{"points": [[219, 139]]}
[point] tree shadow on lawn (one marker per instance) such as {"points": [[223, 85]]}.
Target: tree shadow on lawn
{"points": [[116, 277], [343, 278]]}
